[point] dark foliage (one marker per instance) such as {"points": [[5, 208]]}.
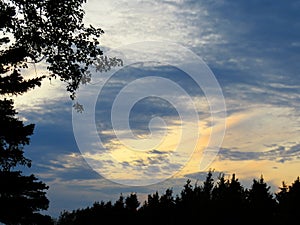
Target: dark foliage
{"points": [[52, 32], [14, 135], [31, 32], [21, 196], [225, 201]]}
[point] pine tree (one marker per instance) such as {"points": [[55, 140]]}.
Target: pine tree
{"points": [[261, 201], [21, 197], [132, 202], [289, 201]]}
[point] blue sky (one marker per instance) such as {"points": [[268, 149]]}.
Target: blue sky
{"points": [[252, 48]]}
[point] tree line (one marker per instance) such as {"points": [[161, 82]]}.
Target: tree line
{"points": [[220, 201]]}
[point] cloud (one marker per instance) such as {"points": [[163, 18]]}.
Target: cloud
{"points": [[251, 46], [155, 105], [248, 45], [276, 153], [63, 168], [157, 152], [136, 168]]}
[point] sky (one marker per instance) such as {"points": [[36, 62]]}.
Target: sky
{"points": [[208, 77]]}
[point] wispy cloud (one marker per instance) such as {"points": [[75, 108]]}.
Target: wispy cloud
{"points": [[251, 46], [275, 153]]}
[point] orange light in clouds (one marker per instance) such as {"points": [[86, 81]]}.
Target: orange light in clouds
{"points": [[205, 132]]}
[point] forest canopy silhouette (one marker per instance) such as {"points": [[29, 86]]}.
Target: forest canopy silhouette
{"points": [[220, 201]]}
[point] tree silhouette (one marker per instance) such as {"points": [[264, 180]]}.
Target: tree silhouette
{"points": [[294, 196], [50, 32], [131, 202], [289, 201], [228, 203], [262, 204], [120, 204], [229, 196], [21, 197], [167, 200], [159, 209]]}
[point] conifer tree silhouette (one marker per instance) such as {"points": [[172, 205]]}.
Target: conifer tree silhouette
{"points": [[262, 204], [21, 197], [229, 203]]}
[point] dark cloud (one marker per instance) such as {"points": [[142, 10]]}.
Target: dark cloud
{"points": [[76, 174], [158, 152], [252, 47], [156, 164], [145, 109], [257, 46], [277, 153]]}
